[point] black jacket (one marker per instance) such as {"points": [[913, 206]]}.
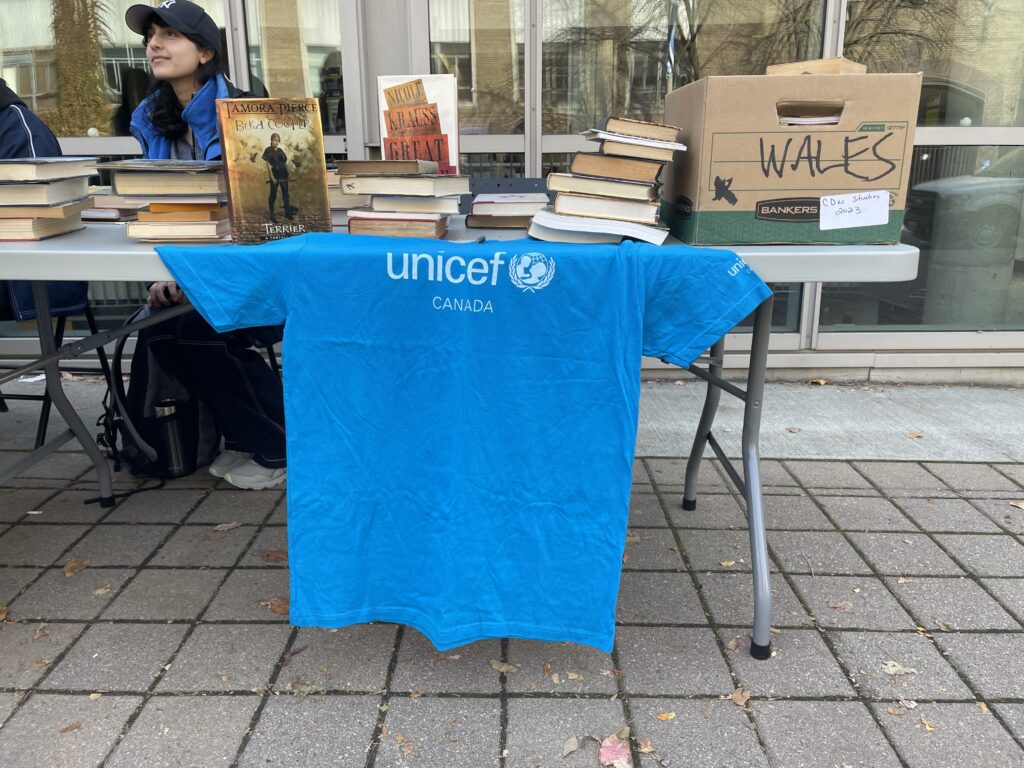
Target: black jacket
{"points": [[22, 134]]}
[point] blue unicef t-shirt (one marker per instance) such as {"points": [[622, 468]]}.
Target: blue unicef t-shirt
{"points": [[462, 417]]}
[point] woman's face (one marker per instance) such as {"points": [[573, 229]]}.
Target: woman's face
{"points": [[171, 55]]}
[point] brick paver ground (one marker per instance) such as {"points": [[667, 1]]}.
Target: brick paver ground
{"points": [[899, 591]]}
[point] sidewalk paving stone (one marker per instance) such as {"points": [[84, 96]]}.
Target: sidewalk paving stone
{"points": [[794, 513], [13, 580], [651, 548], [18, 501], [851, 602], [986, 555], [994, 663], [1003, 513], [275, 540], [62, 465], [312, 732], [707, 550], [246, 507], [1014, 471], [232, 657], [703, 733], [166, 594], [802, 665], [954, 603], [1009, 593], [118, 545], [714, 510], [60, 731], [186, 731], [117, 657], [539, 662], [866, 655], [960, 737], [773, 473], [904, 554], [822, 734], [539, 728], [432, 732], [1013, 717], [168, 505], [730, 599], [640, 475], [37, 544], [247, 595], [816, 552], [8, 701], [424, 669], [865, 513], [672, 662], [56, 597], [827, 474], [671, 473], [68, 507], [947, 515], [658, 598], [645, 511], [202, 545], [900, 478], [971, 477], [24, 659], [351, 659]]}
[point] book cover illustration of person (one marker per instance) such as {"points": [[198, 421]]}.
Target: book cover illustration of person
{"points": [[275, 168], [420, 119]]}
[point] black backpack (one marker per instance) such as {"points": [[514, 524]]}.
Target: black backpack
{"points": [[157, 428]]}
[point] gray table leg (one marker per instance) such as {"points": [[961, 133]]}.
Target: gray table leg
{"points": [[707, 419], [56, 391], [760, 647]]}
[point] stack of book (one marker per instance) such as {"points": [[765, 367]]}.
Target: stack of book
{"points": [[408, 198], [619, 184], [43, 196], [178, 200], [341, 203], [505, 210], [105, 206]]}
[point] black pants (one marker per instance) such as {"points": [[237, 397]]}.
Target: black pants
{"points": [[274, 184], [245, 395]]}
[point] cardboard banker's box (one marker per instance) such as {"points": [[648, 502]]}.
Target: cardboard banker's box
{"points": [[764, 150]]}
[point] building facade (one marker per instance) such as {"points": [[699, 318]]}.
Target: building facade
{"points": [[533, 74]]}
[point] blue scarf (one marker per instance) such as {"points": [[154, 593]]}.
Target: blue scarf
{"points": [[200, 114]]}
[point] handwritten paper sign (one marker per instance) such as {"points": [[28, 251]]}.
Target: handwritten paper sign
{"points": [[857, 209]]}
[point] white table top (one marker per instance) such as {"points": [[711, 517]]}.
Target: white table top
{"points": [[104, 252]]}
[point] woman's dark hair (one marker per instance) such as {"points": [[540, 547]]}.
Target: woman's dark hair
{"points": [[165, 111]]}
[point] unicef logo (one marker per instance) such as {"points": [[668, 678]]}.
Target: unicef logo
{"points": [[531, 271]]}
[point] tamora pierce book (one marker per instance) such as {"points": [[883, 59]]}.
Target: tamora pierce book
{"points": [[274, 164]]}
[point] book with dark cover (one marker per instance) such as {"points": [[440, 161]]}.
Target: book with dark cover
{"points": [[274, 164], [613, 167]]}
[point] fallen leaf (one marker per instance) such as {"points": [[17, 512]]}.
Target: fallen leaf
{"points": [[301, 688], [904, 580], [277, 605], [547, 670], [982, 707], [915, 435], [570, 746], [40, 664], [504, 668], [449, 656], [225, 678], [734, 644], [273, 555], [928, 724], [727, 563], [818, 382], [101, 591], [556, 678], [895, 711], [95, 696], [75, 567], [794, 430], [632, 538], [41, 632], [574, 676], [666, 715], [615, 752], [844, 606], [1017, 504], [3, 612], [223, 527], [645, 747], [856, 590], [740, 696], [415, 695], [894, 668], [292, 654], [75, 726], [908, 704]]}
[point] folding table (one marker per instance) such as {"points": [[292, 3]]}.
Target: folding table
{"points": [[101, 252]]}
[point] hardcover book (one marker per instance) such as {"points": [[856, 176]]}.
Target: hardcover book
{"points": [[419, 119], [274, 163]]}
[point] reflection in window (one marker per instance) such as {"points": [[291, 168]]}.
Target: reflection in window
{"points": [[969, 50], [964, 211], [481, 43], [619, 57]]}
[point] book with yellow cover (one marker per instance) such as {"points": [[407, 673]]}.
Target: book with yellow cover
{"points": [[274, 164]]}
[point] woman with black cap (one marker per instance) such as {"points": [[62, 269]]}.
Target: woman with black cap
{"points": [[178, 120]]}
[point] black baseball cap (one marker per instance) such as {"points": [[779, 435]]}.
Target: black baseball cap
{"points": [[178, 14]]}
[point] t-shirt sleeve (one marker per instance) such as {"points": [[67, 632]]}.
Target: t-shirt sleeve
{"points": [[691, 297], [238, 286], [266, 154]]}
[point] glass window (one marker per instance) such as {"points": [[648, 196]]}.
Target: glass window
{"points": [[971, 52], [481, 43], [964, 211], [295, 52], [621, 57]]}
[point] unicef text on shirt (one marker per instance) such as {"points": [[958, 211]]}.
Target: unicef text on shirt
{"points": [[446, 269]]}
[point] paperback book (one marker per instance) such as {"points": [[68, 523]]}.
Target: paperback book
{"points": [[274, 164]]}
